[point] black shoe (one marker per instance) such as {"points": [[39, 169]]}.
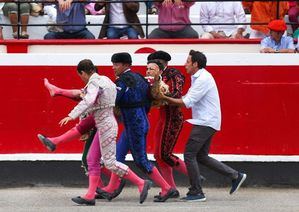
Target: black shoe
{"points": [[81, 201], [168, 195], [105, 194], [176, 194], [47, 142], [143, 195], [98, 196], [117, 191], [237, 182], [194, 198]]}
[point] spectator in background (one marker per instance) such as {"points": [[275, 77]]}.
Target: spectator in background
{"points": [[10, 9], [176, 12], [276, 42], [222, 12], [123, 13], [264, 12], [68, 13], [293, 14]]}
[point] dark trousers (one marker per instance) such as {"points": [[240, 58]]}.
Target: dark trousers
{"points": [[196, 152], [82, 34], [187, 32]]}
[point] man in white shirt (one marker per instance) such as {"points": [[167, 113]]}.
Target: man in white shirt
{"points": [[222, 12], [203, 98]]}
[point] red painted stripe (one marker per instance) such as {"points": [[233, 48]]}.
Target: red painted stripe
{"points": [[259, 108]]}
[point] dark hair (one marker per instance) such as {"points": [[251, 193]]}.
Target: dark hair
{"points": [[198, 57], [159, 64], [86, 66]]}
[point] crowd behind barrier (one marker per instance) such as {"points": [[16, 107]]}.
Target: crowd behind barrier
{"points": [[149, 23]]}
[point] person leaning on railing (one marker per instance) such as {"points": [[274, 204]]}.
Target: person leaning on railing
{"points": [[173, 13], [277, 42], [222, 12], [73, 20], [10, 9], [120, 13], [264, 12]]}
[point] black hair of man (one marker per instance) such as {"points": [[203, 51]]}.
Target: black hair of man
{"points": [[199, 57], [86, 66], [158, 63], [160, 55], [122, 57]]}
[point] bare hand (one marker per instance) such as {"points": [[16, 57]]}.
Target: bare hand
{"points": [[65, 120], [217, 35], [267, 50], [64, 4], [239, 36]]}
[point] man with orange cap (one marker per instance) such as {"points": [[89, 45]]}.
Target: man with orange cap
{"points": [[276, 42], [264, 12]]}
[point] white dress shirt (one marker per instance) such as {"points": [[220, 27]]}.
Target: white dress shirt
{"points": [[203, 98], [222, 12]]}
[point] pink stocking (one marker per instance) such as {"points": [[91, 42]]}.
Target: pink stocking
{"points": [[135, 179], [159, 180], [56, 91], [166, 172], [70, 135], [93, 182]]}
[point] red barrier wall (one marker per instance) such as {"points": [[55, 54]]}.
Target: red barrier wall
{"points": [[259, 109]]}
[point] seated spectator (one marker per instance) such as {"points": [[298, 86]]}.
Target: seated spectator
{"points": [[122, 14], [294, 14], [10, 9], [70, 13], [222, 12], [50, 10], [176, 12], [277, 42], [264, 12]]}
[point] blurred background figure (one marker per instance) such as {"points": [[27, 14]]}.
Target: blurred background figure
{"points": [[222, 12], [264, 12], [277, 42], [293, 17], [10, 9]]}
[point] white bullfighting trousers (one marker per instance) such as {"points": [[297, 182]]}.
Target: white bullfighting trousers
{"points": [[107, 129]]}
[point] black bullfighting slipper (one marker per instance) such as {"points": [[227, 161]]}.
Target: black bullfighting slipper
{"points": [[143, 195], [176, 194], [117, 191], [105, 194], [81, 201], [98, 196], [168, 195], [47, 142]]}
